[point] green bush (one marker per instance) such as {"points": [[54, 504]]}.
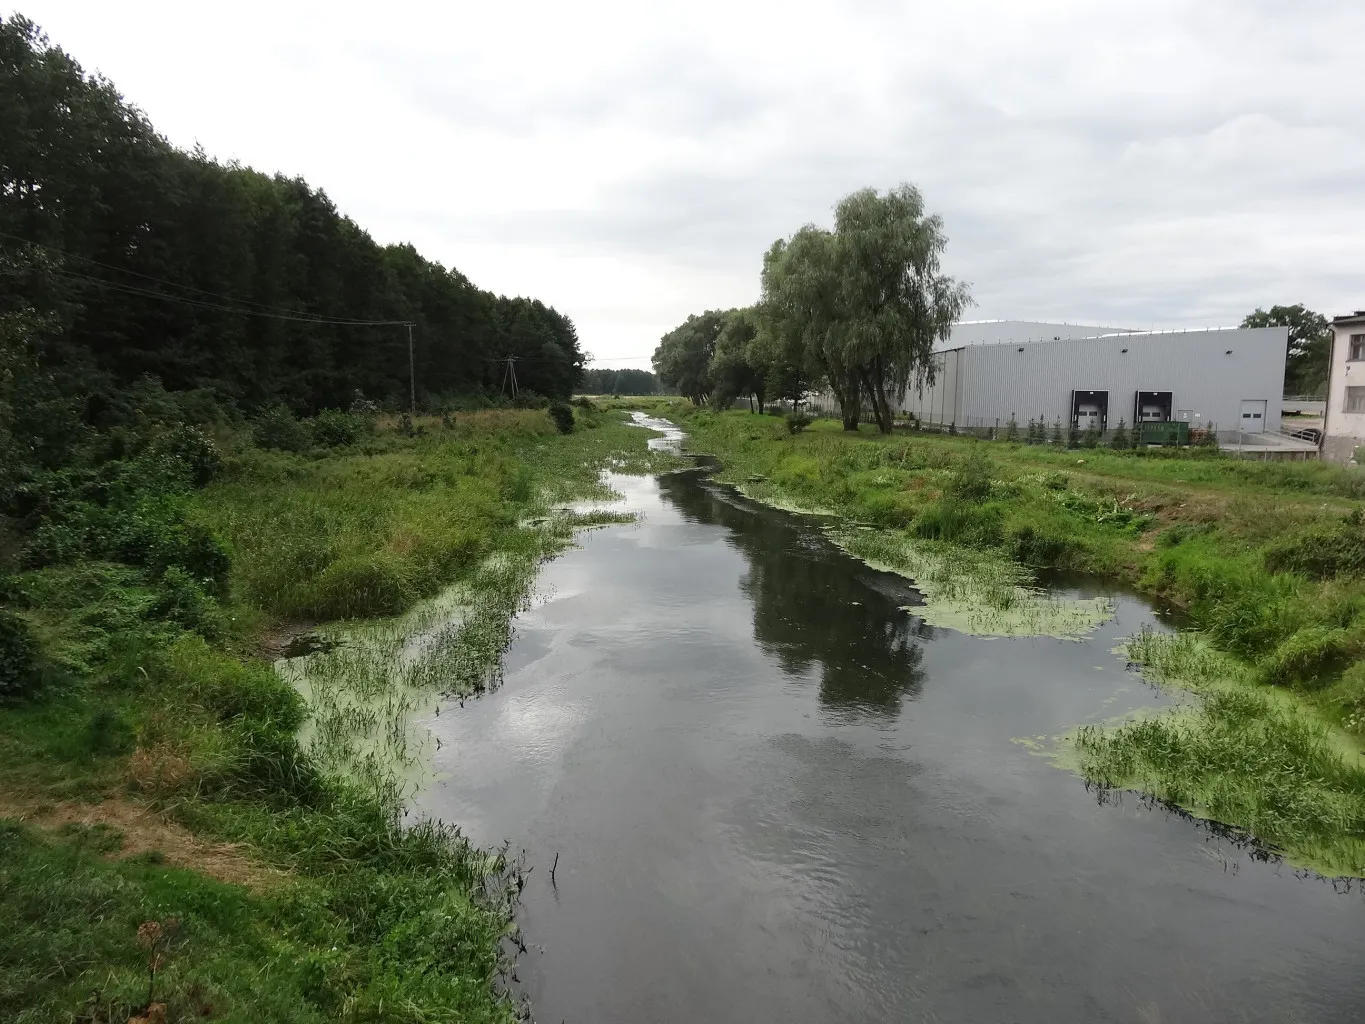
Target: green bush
{"points": [[360, 587], [1322, 553], [962, 522], [192, 448], [562, 416], [1308, 656], [797, 422], [885, 508], [333, 428], [277, 429], [1039, 547], [971, 480], [18, 657]]}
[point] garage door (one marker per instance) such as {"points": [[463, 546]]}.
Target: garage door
{"points": [[1253, 415]]}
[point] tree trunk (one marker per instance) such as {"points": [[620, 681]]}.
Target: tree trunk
{"points": [[880, 407], [847, 389], [886, 416]]}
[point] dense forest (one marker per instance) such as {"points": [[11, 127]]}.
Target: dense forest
{"points": [[125, 260], [619, 382]]}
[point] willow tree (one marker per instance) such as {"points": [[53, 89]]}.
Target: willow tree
{"points": [[867, 301], [682, 359]]}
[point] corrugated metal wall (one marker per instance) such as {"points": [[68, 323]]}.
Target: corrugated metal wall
{"points": [[1209, 373], [982, 383]]}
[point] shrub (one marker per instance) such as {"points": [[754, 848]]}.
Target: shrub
{"points": [[887, 509], [192, 448], [971, 480], [277, 429], [952, 519], [333, 428], [797, 422], [181, 599], [1322, 553], [562, 415], [361, 586], [18, 657], [1307, 656], [1056, 481], [1039, 548]]}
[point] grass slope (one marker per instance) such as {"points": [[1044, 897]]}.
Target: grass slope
{"points": [[181, 711]]}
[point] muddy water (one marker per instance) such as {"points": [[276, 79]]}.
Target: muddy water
{"points": [[777, 796]]}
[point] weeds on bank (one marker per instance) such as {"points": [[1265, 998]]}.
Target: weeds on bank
{"points": [[146, 689]]}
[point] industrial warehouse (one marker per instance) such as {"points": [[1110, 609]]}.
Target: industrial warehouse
{"points": [[1229, 380]]}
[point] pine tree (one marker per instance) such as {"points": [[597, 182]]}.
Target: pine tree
{"points": [[1073, 435], [1120, 442], [1057, 433], [1012, 430], [1091, 438]]}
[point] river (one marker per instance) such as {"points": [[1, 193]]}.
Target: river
{"points": [[775, 794]]}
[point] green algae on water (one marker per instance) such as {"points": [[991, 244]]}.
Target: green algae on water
{"points": [[976, 592]]}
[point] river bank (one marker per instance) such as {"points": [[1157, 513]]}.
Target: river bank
{"points": [[164, 770], [1263, 559]]}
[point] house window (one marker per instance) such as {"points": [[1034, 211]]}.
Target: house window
{"points": [[1355, 400], [1357, 347]]}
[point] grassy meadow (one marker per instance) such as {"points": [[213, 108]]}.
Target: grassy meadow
{"points": [[1266, 560], [179, 826]]}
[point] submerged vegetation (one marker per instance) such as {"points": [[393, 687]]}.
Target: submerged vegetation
{"points": [[1263, 559]]}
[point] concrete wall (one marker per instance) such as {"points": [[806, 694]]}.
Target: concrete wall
{"points": [[1344, 431], [1036, 379]]}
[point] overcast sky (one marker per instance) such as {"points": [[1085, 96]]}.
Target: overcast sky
{"points": [[1137, 164]]}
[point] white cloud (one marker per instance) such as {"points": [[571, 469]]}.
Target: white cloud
{"points": [[1158, 162]]}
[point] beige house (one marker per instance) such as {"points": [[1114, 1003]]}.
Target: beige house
{"points": [[1344, 418]]}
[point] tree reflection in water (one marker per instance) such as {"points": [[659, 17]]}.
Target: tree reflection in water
{"points": [[815, 604]]}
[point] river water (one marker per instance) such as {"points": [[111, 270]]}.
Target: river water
{"points": [[776, 795]]}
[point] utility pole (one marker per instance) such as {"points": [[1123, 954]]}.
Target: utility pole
{"points": [[412, 378], [510, 374]]}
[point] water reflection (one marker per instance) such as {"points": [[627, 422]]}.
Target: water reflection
{"points": [[867, 646]]}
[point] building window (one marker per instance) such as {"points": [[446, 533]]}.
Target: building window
{"points": [[1357, 347], [1355, 400]]}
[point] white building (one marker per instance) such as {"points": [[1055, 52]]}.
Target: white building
{"points": [[991, 371], [1344, 417]]}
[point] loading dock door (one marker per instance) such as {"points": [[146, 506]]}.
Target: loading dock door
{"points": [[1253, 415], [1090, 409], [1151, 407]]}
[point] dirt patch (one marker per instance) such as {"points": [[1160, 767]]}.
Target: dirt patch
{"points": [[283, 639], [139, 830]]}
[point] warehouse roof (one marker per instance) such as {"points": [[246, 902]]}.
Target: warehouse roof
{"points": [[1008, 332]]}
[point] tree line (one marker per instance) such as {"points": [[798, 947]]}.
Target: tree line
{"points": [[123, 258], [619, 382], [856, 309]]}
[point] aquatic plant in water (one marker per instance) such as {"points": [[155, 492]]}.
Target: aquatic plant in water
{"points": [[976, 592], [1238, 752], [372, 684]]}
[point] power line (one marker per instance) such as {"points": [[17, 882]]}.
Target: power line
{"points": [[283, 312], [200, 304]]}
